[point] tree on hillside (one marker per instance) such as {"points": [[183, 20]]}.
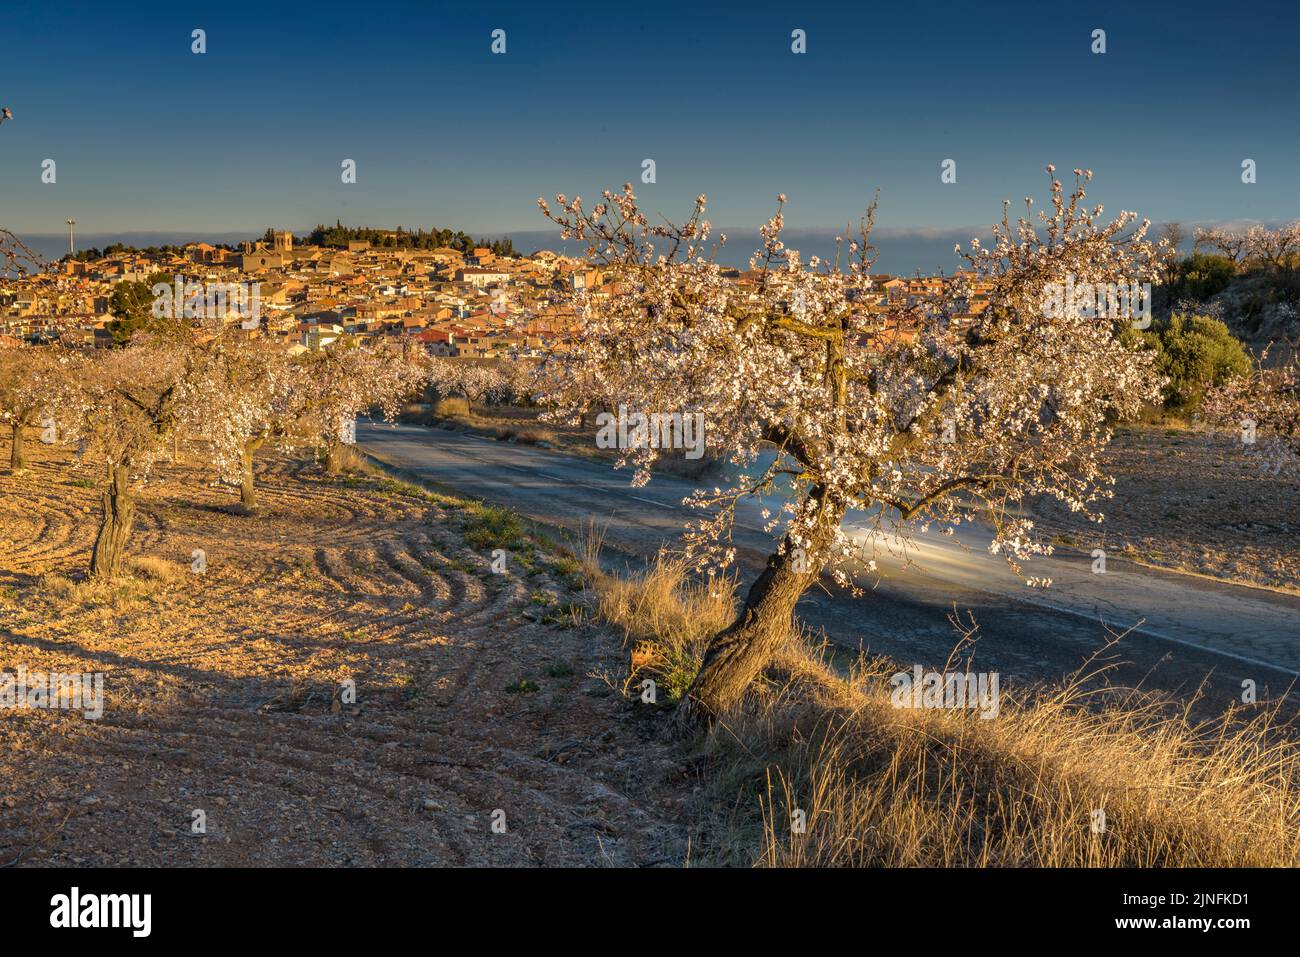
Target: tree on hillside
{"points": [[1172, 235], [963, 422], [1258, 247], [1275, 249], [402, 238], [1226, 242]]}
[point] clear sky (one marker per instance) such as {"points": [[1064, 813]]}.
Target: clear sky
{"points": [[149, 136]]}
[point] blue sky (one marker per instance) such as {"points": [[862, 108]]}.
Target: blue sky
{"points": [[148, 136]]}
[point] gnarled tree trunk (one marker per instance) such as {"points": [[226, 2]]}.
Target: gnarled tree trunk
{"points": [[17, 460], [115, 526], [247, 492], [333, 457], [736, 656]]}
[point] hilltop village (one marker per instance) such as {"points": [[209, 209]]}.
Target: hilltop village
{"points": [[470, 302]]}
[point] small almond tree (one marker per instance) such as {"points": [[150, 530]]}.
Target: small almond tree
{"points": [[963, 419], [1263, 405], [349, 379], [121, 406], [246, 392], [26, 372], [29, 379]]}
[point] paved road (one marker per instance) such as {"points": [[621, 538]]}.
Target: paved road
{"points": [[1188, 630]]}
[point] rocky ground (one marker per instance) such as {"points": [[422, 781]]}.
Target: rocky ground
{"points": [[479, 696]]}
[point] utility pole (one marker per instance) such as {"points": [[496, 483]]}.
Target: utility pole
{"points": [[72, 250]]}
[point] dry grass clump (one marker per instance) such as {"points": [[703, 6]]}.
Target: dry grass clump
{"points": [[899, 787], [451, 407], [666, 616], [884, 786], [530, 435], [348, 458], [155, 569], [147, 577]]}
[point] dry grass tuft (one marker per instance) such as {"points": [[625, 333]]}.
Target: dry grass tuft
{"points": [[145, 578], [531, 435], [154, 569], [348, 458], [666, 617], [885, 786], [451, 408]]}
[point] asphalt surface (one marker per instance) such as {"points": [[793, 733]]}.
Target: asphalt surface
{"points": [[1184, 632]]}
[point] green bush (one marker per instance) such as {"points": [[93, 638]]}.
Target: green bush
{"points": [[1193, 353], [1200, 276], [491, 526]]}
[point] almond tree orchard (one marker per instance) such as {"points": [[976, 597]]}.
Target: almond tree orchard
{"points": [[250, 391], [477, 383], [231, 394], [961, 423]]}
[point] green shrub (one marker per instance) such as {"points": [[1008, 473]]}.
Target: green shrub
{"points": [[1200, 276], [491, 526], [1193, 353]]}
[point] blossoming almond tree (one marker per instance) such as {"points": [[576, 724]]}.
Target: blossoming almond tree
{"points": [[1264, 404], [121, 406], [28, 374], [349, 379], [963, 421], [1273, 248], [247, 392]]}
